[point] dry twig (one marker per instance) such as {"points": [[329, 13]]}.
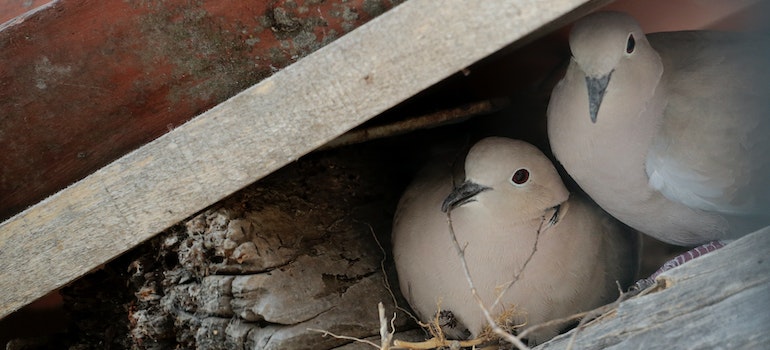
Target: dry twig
{"points": [[386, 336], [435, 343], [432, 120], [327, 333], [526, 262], [598, 313], [493, 325], [385, 276]]}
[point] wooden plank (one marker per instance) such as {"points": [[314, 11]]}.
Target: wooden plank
{"points": [[252, 134], [82, 82], [718, 301], [13, 8]]}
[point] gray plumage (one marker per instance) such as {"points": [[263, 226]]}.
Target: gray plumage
{"points": [[676, 142], [581, 251]]}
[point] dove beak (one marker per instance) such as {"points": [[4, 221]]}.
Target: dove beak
{"points": [[462, 194], [597, 87]]}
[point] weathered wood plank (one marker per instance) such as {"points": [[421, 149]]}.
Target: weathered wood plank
{"points": [[252, 134], [83, 82], [11, 9], [718, 301]]}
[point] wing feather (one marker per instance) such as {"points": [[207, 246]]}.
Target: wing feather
{"points": [[713, 148]]}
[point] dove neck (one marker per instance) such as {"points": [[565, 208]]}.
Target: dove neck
{"points": [[620, 148]]}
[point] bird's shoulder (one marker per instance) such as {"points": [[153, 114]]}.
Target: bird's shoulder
{"points": [[700, 64], [710, 151]]}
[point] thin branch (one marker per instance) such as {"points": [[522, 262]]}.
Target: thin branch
{"points": [[385, 336], [435, 343], [521, 270], [434, 327], [325, 333], [495, 328], [598, 313], [557, 321], [585, 317], [385, 279], [393, 326], [427, 121]]}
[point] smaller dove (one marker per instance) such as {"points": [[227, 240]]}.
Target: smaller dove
{"points": [[518, 226]]}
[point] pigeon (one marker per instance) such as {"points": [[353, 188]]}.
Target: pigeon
{"points": [[546, 254], [666, 132]]}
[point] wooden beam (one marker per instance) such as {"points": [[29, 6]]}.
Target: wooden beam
{"points": [[252, 134], [77, 75], [718, 301]]}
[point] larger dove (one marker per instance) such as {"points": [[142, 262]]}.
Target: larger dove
{"points": [[515, 219], [667, 132]]}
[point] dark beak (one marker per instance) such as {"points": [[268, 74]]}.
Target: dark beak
{"points": [[597, 87], [462, 194]]}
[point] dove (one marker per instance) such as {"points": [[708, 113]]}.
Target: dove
{"points": [[548, 254], [667, 132]]}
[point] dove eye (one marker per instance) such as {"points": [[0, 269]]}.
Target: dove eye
{"points": [[630, 44], [520, 177]]}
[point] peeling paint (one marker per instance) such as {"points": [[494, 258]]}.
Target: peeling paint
{"points": [[373, 7], [81, 75], [47, 72]]}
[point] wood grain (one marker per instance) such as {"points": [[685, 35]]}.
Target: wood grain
{"points": [[718, 301], [85, 82], [252, 134]]}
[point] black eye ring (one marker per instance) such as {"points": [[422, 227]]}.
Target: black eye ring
{"points": [[520, 176], [630, 44]]}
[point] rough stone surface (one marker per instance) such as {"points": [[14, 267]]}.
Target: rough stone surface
{"points": [[294, 251]]}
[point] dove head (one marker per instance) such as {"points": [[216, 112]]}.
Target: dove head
{"points": [[510, 176], [601, 40], [610, 46]]}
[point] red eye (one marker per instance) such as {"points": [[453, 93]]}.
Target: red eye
{"points": [[520, 176]]}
